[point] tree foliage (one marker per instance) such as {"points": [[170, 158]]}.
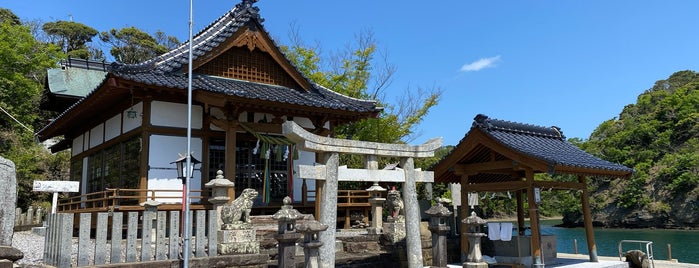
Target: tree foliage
{"points": [[24, 61], [659, 137], [72, 37], [131, 45]]}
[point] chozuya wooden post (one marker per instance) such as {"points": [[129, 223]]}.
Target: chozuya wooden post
{"points": [[537, 256], [587, 217], [331, 173]]}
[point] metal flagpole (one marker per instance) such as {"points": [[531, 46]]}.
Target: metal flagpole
{"points": [[187, 228]]}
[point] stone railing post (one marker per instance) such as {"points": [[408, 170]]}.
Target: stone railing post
{"points": [[439, 228], [311, 244], [219, 194], [286, 234]]}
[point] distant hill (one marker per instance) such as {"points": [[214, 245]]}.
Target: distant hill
{"points": [[658, 136]]}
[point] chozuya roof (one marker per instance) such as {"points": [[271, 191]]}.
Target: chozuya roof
{"points": [[547, 144], [166, 70]]}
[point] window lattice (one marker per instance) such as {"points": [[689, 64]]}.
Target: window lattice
{"points": [[256, 66]]}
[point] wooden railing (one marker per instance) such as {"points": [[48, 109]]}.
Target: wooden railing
{"points": [[350, 203], [125, 199]]}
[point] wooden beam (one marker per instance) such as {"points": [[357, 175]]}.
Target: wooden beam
{"points": [[474, 168], [559, 185], [495, 186]]}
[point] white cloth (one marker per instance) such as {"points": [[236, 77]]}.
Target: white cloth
{"points": [[494, 230], [506, 231]]}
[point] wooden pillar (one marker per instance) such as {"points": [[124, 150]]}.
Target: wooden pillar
{"points": [[520, 212], [463, 214], [145, 149], [231, 140], [587, 216], [534, 221]]}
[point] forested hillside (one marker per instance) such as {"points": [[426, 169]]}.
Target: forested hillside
{"points": [[658, 136]]}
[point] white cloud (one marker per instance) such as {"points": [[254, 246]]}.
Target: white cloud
{"points": [[480, 64]]}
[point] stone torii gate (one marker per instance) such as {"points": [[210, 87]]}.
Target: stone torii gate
{"points": [[328, 173]]}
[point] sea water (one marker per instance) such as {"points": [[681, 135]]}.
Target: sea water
{"points": [[684, 243]]}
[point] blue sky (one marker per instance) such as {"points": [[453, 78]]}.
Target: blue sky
{"points": [[572, 64]]}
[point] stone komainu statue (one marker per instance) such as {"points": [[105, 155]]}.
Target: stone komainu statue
{"points": [[236, 215], [394, 205]]}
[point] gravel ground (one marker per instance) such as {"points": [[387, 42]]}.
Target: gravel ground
{"points": [[31, 245]]}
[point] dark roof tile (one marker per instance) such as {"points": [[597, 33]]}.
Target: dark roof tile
{"points": [[544, 143]]}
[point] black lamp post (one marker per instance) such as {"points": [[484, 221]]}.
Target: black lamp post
{"points": [[181, 165]]}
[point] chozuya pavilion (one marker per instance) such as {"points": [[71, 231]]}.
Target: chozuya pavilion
{"points": [[126, 132], [503, 156]]}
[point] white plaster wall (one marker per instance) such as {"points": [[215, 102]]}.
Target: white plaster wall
{"points": [[112, 128], [131, 123], [162, 175], [86, 141], [171, 114], [77, 145], [96, 135], [305, 158]]}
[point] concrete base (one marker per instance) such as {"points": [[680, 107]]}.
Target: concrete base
{"points": [[339, 247], [475, 265], [41, 231], [233, 242]]}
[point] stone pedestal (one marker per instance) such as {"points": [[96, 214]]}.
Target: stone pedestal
{"points": [[231, 242], [394, 232], [287, 249]]}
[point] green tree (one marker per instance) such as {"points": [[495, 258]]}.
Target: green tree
{"points": [[357, 72], [131, 45], [72, 37], [6, 15], [24, 61]]}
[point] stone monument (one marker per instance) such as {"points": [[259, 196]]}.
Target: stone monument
{"points": [[473, 234], [394, 227], [8, 202], [237, 235]]}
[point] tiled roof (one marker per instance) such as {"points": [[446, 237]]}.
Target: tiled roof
{"points": [[165, 70], [547, 144]]}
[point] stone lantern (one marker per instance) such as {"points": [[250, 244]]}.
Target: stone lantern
{"points": [[439, 228], [473, 234], [219, 193], [286, 234], [376, 202], [310, 243]]}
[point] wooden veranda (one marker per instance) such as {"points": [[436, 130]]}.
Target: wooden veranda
{"points": [[501, 156]]}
